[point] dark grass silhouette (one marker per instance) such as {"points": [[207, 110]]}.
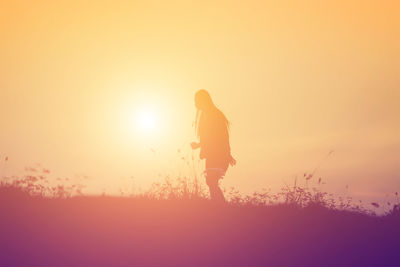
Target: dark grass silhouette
{"points": [[174, 224]]}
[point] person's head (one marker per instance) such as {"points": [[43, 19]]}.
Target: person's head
{"points": [[202, 100], [204, 103]]}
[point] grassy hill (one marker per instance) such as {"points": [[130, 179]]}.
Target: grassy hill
{"points": [[148, 231]]}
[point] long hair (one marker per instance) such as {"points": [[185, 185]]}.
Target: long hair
{"points": [[204, 103]]}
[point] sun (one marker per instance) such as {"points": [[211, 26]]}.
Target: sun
{"points": [[146, 120]]}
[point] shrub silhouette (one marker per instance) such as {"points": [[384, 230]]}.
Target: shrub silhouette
{"points": [[303, 193]]}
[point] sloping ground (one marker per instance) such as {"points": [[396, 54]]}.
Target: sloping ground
{"points": [[111, 231]]}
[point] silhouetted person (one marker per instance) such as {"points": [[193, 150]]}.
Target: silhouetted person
{"points": [[212, 129]]}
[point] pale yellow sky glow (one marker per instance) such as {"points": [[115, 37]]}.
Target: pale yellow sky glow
{"points": [[106, 90], [147, 120]]}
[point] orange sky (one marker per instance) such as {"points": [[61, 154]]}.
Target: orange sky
{"points": [[296, 79]]}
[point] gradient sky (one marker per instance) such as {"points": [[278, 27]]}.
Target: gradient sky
{"points": [[296, 79]]}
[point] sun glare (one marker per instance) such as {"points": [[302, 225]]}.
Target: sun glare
{"points": [[146, 120]]}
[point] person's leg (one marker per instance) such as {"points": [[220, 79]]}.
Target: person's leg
{"points": [[219, 196], [212, 179]]}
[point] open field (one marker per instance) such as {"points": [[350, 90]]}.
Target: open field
{"points": [[139, 231]]}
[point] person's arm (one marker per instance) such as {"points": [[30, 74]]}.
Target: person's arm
{"points": [[232, 160]]}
